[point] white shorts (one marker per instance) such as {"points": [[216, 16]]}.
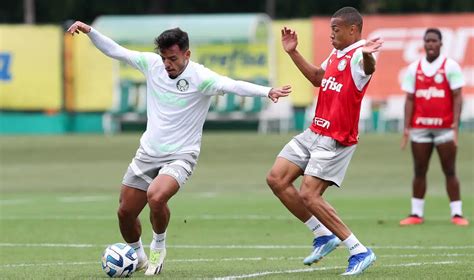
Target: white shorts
{"points": [[319, 156], [428, 135], [144, 168]]}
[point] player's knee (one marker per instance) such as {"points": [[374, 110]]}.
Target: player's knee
{"points": [[310, 198], [449, 172], [420, 171], [156, 199], [124, 213], [276, 182]]}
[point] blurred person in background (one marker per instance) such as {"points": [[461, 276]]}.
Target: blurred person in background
{"points": [[179, 94], [322, 153], [433, 87]]}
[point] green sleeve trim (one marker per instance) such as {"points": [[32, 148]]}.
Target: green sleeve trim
{"points": [[357, 58], [409, 80], [455, 77], [207, 85], [142, 63]]}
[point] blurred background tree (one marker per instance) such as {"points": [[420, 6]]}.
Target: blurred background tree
{"points": [[57, 11]]}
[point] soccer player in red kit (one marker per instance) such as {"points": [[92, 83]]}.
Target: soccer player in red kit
{"points": [[433, 88], [322, 153]]}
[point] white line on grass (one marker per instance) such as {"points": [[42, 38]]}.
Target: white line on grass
{"points": [[66, 245], [258, 274], [251, 259], [81, 199], [5, 202]]}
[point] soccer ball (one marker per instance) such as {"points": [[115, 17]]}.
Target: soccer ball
{"points": [[119, 260]]}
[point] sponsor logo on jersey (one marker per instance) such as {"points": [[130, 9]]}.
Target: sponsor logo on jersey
{"points": [[429, 121], [342, 65], [322, 122], [429, 93], [331, 84], [438, 78], [182, 85]]}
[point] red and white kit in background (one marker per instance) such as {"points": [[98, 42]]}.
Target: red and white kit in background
{"points": [[433, 100], [338, 108]]}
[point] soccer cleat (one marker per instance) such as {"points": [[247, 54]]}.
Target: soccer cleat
{"points": [[322, 245], [142, 264], [155, 263], [459, 220], [360, 262], [412, 220]]}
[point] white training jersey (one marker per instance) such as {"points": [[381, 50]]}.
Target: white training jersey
{"points": [[357, 67], [176, 108], [452, 68]]}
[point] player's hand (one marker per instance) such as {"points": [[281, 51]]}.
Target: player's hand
{"points": [[404, 141], [289, 39], [372, 45], [79, 26], [276, 93]]}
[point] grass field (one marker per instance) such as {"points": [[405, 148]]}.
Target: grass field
{"points": [[59, 196]]}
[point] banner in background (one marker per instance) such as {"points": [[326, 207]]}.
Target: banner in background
{"points": [[239, 61], [30, 67], [93, 75], [248, 62], [286, 71], [403, 36]]}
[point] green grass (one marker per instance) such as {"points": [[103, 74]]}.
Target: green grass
{"points": [[59, 195]]}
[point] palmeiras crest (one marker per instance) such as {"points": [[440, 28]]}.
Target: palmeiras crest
{"points": [[182, 85]]}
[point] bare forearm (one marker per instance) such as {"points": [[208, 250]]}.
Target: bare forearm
{"points": [[312, 73], [457, 106], [408, 110], [369, 63]]}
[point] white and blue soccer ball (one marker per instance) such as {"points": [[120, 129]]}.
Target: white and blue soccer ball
{"points": [[119, 260]]}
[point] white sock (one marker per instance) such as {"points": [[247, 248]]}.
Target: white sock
{"points": [[456, 208], [354, 246], [316, 227], [417, 206], [138, 247], [158, 241]]}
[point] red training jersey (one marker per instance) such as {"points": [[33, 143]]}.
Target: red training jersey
{"points": [[338, 107], [433, 100]]}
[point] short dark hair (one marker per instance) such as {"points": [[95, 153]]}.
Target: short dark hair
{"points": [[350, 15], [435, 31], [171, 37]]}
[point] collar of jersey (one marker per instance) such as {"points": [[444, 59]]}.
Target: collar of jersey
{"points": [[341, 53]]}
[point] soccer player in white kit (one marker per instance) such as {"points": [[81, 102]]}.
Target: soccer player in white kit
{"points": [[179, 94]]}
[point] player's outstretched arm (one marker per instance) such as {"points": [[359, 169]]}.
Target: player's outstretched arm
{"points": [[289, 40], [370, 47], [242, 88], [276, 93], [103, 43]]}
